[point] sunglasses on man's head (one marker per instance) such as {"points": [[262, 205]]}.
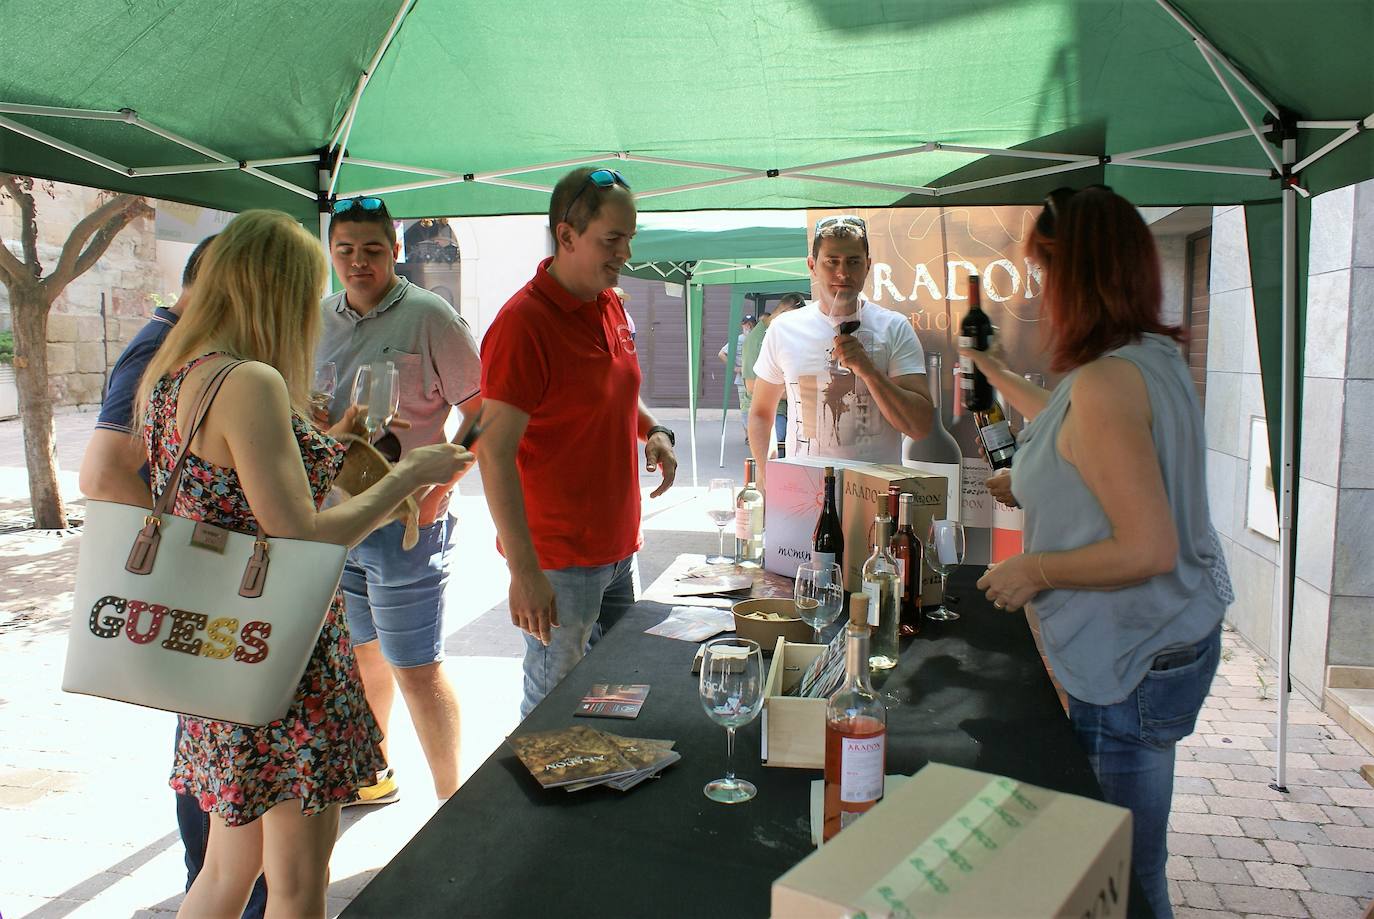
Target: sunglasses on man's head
{"points": [[842, 220], [601, 178], [344, 205]]}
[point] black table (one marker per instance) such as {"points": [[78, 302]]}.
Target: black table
{"points": [[977, 696]]}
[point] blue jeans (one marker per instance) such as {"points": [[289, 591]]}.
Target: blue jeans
{"points": [[397, 596], [589, 602], [1131, 747], [194, 825]]}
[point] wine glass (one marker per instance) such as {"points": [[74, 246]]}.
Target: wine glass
{"points": [[944, 551], [732, 695], [720, 507], [326, 384], [377, 388], [818, 594]]}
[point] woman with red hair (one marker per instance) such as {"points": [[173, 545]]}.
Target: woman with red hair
{"points": [[1122, 563]]}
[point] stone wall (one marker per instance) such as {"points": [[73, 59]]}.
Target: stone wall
{"points": [[1333, 603], [83, 343]]}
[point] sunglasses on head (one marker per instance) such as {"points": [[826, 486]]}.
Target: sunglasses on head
{"points": [[601, 178], [842, 220], [344, 205]]}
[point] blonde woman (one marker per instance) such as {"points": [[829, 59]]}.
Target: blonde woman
{"points": [[273, 793]]}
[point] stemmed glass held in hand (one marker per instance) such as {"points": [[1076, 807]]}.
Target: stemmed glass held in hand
{"points": [[818, 594], [944, 551], [720, 507], [326, 384], [732, 694], [377, 388]]}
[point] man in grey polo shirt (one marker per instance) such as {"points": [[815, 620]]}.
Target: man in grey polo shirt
{"points": [[395, 597]]}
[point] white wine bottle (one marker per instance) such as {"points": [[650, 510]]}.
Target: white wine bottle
{"points": [[749, 520]]}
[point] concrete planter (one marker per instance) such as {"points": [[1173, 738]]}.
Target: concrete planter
{"points": [[9, 393]]}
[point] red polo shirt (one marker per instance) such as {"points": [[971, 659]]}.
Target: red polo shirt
{"points": [[570, 365]]}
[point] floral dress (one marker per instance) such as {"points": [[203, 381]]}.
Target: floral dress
{"points": [[327, 745]]}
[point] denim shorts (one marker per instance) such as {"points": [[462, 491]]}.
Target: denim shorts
{"points": [[396, 596]]}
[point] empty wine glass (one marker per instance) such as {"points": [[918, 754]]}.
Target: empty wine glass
{"points": [[818, 595], [377, 388], [720, 507], [944, 551], [732, 695], [326, 384]]}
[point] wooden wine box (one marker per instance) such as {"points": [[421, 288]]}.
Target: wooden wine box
{"points": [[952, 842], [793, 729], [865, 496]]}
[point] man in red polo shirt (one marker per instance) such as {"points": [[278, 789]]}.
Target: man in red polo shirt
{"points": [[562, 426]]}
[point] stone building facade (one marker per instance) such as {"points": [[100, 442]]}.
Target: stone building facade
{"points": [[98, 312]]}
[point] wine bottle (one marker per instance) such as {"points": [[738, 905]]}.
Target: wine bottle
{"points": [[994, 431], [907, 550], [884, 604], [827, 542], [975, 332], [855, 734], [938, 452], [749, 520]]}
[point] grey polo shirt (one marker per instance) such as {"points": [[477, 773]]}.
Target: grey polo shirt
{"points": [[427, 340]]}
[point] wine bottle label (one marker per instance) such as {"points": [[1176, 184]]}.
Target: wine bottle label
{"points": [[966, 363], [901, 577], [823, 560], [874, 596], [744, 522], [861, 768], [997, 436]]}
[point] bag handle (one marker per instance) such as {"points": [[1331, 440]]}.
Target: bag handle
{"points": [[144, 550]]}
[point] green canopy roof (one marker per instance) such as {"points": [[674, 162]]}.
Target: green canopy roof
{"points": [[766, 104]]}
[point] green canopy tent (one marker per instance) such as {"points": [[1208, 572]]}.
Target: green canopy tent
{"points": [[470, 108], [750, 259]]}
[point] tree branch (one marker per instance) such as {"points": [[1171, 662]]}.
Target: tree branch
{"points": [[29, 268], [105, 222]]}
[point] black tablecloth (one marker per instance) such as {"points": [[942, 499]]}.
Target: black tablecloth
{"points": [[977, 696]]}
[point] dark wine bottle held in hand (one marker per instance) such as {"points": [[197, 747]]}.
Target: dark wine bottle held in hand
{"points": [[975, 333]]}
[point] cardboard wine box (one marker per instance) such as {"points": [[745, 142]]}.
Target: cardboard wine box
{"points": [[865, 496], [794, 490], [953, 842], [793, 729]]}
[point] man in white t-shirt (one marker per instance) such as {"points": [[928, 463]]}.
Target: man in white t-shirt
{"points": [[860, 414]]}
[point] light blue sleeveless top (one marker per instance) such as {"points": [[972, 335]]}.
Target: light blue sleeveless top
{"points": [[1102, 642]]}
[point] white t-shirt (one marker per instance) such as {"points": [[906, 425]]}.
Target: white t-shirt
{"points": [[837, 415]]}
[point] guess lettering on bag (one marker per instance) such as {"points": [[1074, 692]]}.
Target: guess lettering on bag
{"points": [[111, 615], [176, 614]]}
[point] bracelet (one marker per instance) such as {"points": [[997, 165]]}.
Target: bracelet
{"points": [[660, 429], [1040, 559]]}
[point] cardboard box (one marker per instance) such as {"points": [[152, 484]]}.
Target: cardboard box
{"points": [[865, 496], [958, 843], [794, 490], [793, 730]]}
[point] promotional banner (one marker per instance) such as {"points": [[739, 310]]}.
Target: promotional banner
{"points": [[923, 259]]}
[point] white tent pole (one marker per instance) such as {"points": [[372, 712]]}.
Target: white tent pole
{"points": [[340, 138], [133, 118], [556, 164], [326, 217], [1195, 167], [511, 183], [1017, 176], [1185, 144], [858, 183], [691, 390], [1208, 56], [1016, 154], [1331, 125], [711, 183], [282, 183], [1354, 129], [691, 164], [453, 178], [1231, 68], [185, 169], [1287, 414], [398, 167], [73, 149], [851, 160], [51, 111]]}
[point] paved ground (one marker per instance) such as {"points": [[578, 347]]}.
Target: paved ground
{"points": [[87, 824]]}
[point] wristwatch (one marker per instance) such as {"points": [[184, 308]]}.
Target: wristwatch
{"points": [[660, 429]]}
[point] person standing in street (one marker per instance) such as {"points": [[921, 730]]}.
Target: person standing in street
{"points": [[563, 423], [395, 596]]}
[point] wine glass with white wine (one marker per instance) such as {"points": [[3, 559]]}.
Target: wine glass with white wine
{"points": [[720, 507], [944, 552], [376, 387]]}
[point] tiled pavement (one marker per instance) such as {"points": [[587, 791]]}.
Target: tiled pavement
{"points": [[86, 825]]}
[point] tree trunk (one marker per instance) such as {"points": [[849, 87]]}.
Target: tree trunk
{"points": [[29, 312]]}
